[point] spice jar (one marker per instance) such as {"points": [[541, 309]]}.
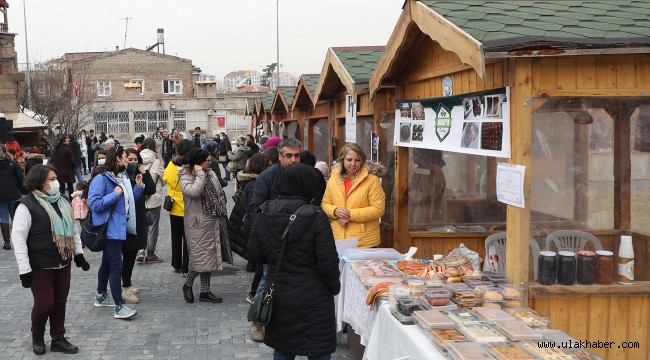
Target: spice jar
{"points": [[604, 267], [566, 268], [586, 267], [546, 268]]}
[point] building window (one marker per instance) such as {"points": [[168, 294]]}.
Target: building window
{"points": [[180, 120], [149, 121], [141, 82], [103, 88], [172, 87], [112, 122], [196, 118]]}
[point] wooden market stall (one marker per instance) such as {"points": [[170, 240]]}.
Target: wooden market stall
{"points": [[573, 78], [27, 131], [303, 107], [264, 113], [283, 114]]}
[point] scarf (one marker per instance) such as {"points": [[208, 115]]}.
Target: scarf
{"points": [[211, 200], [62, 226], [126, 185]]}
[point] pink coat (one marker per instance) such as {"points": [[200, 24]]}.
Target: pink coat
{"points": [[79, 207]]}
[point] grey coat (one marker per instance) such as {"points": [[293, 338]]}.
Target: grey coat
{"points": [[207, 236]]}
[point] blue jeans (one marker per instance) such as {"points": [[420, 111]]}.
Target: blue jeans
{"points": [[7, 210], [262, 284], [78, 173], [110, 270], [279, 355], [227, 177]]}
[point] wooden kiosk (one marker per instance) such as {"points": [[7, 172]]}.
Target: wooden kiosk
{"points": [[578, 75]]}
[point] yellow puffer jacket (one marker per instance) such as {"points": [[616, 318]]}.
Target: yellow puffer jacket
{"points": [[170, 176], [366, 202]]}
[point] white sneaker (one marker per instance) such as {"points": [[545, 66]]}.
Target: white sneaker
{"points": [[134, 289], [129, 296], [124, 312]]}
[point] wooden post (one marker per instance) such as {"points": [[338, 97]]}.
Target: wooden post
{"points": [[581, 174], [401, 235], [518, 220]]}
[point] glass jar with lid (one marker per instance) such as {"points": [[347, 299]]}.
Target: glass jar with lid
{"points": [[604, 267], [546, 268], [586, 267], [566, 268]]}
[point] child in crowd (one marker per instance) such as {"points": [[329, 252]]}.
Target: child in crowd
{"points": [[80, 202]]}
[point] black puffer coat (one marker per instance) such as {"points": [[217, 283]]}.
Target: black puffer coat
{"points": [[239, 228], [137, 242], [303, 321]]}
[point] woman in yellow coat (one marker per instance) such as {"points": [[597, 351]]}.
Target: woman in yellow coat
{"points": [[354, 199]]}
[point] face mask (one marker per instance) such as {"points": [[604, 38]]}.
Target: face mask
{"points": [[54, 187], [101, 161], [132, 167]]}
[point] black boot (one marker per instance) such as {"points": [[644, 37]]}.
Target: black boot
{"points": [[63, 345], [188, 294], [209, 297], [251, 267], [38, 344], [6, 235]]}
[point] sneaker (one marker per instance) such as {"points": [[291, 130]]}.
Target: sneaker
{"points": [[103, 300], [140, 257], [152, 260], [129, 296], [134, 289], [124, 312], [257, 332]]}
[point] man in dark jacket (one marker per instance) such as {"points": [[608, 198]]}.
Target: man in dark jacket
{"points": [[76, 152], [304, 319], [226, 146], [32, 159], [266, 188], [166, 147], [91, 140]]}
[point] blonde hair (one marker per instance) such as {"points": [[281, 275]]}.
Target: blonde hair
{"points": [[347, 148]]}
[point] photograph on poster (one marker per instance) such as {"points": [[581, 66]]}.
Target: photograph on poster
{"points": [[405, 111], [472, 108], [491, 135], [405, 132], [417, 110], [470, 135], [417, 131], [493, 106]]}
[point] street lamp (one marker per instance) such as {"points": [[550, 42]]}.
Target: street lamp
{"points": [[277, 31]]}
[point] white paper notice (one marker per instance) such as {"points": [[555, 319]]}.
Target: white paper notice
{"points": [[350, 120], [510, 184]]}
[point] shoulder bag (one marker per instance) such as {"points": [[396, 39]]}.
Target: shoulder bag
{"points": [[94, 237], [169, 200], [262, 306]]}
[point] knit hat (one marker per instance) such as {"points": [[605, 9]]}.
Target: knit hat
{"points": [[264, 139], [272, 142], [184, 146], [195, 157], [241, 140]]}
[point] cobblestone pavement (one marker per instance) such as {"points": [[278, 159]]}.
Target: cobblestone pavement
{"points": [[165, 328]]}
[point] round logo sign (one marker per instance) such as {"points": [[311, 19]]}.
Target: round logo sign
{"points": [[447, 86]]}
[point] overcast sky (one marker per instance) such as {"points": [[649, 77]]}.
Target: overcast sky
{"points": [[219, 36]]}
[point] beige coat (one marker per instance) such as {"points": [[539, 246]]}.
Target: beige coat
{"points": [[207, 237]]}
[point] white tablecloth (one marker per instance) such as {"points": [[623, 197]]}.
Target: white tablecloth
{"points": [[390, 340]]}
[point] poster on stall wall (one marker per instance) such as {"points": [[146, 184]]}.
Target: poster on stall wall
{"points": [[510, 184], [474, 123], [374, 147], [350, 120]]}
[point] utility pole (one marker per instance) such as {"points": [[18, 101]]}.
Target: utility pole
{"points": [[29, 78], [277, 32], [126, 29]]}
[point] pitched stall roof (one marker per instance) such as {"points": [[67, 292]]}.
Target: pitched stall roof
{"points": [[476, 29], [346, 67], [284, 98], [266, 102], [24, 123], [305, 92], [251, 106]]}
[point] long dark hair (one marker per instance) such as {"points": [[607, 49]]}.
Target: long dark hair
{"points": [[111, 164]]}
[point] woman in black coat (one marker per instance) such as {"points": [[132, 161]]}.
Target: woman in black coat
{"points": [[134, 243], [65, 164], [303, 321]]}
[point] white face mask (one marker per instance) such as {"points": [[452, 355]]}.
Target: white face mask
{"points": [[101, 161], [54, 187]]}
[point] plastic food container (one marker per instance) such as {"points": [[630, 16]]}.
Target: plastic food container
{"points": [[547, 353], [493, 314], [528, 316], [516, 330], [513, 292], [433, 319], [509, 351], [396, 291], [482, 333], [416, 286], [455, 287], [468, 351], [584, 354], [407, 305], [442, 337], [437, 297], [463, 317]]}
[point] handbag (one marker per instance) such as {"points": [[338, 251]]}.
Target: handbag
{"points": [[261, 309], [232, 166], [169, 200], [223, 158], [94, 237]]}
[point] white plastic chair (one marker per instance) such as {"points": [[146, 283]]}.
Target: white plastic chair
{"points": [[498, 242], [571, 240]]}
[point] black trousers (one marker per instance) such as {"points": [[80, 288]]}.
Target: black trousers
{"points": [[180, 257], [128, 262]]}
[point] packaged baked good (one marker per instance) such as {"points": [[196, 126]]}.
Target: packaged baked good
{"points": [[407, 305], [433, 319], [528, 316], [482, 333], [515, 330], [457, 287], [492, 313], [442, 337], [513, 292], [584, 354], [437, 296], [512, 303], [509, 351], [468, 351], [546, 353], [463, 317]]}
